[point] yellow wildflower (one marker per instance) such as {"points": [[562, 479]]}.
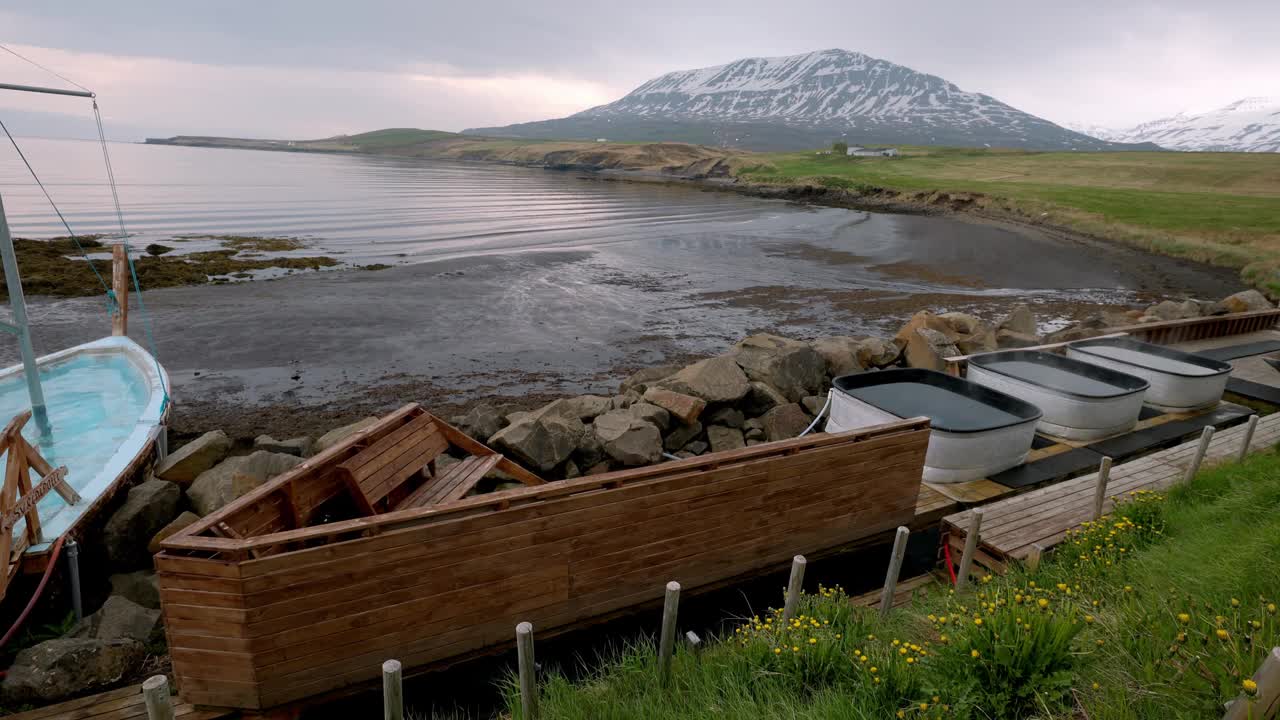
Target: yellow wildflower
{"points": [[1250, 686], [1184, 618], [974, 653], [1222, 634]]}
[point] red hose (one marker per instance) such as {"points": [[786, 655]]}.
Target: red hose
{"points": [[946, 548], [48, 571]]}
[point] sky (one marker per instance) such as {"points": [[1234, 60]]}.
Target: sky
{"points": [[316, 68]]}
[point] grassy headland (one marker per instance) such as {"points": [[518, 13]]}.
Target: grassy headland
{"points": [[1160, 611]]}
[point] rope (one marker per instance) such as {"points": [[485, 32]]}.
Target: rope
{"points": [[48, 570], [51, 72], [133, 271], [70, 232], [817, 417]]}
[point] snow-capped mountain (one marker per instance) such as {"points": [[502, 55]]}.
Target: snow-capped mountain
{"points": [[1248, 125], [803, 101], [1102, 132]]}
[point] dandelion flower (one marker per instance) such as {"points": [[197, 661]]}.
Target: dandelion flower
{"points": [[813, 641], [1222, 634], [1249, 686], [924, 706], [974, 653], [1096, 686], [777, 651], [1088, 619], [977, 621], [795, 648], [911, 660], [874, 669], [1043, 603], [1235, 602], [1184, 618]]}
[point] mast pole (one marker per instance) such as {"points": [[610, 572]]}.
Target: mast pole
{"points": [[21, 328]]}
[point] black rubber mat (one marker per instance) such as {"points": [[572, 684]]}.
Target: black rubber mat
{"points": [[1232, 352], [1065, 464], [1041, 441], [1169, 433], [1147, 412], [1254, 391]]}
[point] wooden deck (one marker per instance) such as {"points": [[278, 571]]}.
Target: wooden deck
{"points": [[123, 704]]}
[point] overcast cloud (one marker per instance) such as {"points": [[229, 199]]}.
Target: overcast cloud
{"points": [[293, 68]]}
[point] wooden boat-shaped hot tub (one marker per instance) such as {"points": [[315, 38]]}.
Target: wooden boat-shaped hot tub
{"points": [[1080, 401], [263, 606], [977, 431], [1179, 381]]}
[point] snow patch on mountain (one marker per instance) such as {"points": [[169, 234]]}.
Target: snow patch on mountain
{"points": [[1248, 125]]}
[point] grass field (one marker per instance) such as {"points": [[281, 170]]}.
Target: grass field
{"points": [[1160, 612], [1222, 208]]}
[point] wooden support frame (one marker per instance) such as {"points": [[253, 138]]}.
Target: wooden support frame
{"points": [[120, 288], [18, 497]]}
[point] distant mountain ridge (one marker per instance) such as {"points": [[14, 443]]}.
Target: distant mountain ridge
{"points": [[806, 101], [1251, 124]]}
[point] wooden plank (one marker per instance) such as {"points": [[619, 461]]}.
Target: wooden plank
{"points": [[460, 479]]}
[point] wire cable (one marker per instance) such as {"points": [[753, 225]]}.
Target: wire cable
{"points": [[56, 74]]}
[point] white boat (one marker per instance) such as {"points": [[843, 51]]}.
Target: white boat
{"points": [[1179, 381], [976, 431], [1080, 401]]}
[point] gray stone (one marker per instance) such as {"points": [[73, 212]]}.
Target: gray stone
{"points": [[1246, 301], [140, 587], [540, 441], [58, 669], [755, 433], [482, 421], [727, 416], [785, 421], [582, 407], [148, 508], [1011, 339], [236, 476], [814, 404], [714, 380], [874, 352], [300, 446], [184, 519], [570, 470], [762, 398], [333, 437], [929, 348], [1091, 326], [840, 354], [187, 462], [118, 618], [972, 335], [590, 451], [722, 438], [640, 380], [1170, 310], [697, 447], [753, 424], [791, 366], [962, 323], [685, 408], [628, 439], [624, 400], [684, 454], [1020, 320], [681, 435], [652, 414], [753, 443]]}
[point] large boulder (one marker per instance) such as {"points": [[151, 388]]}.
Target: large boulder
{"points": [[1092, 326], [590, 451], [628, 439], [1246, 301], [791, 366], [640, 380], [140, 587], [715, 380], [148, 507], [652, 414], [727, 416], [928, 348], [972, 335], [482, 421], [184, 519], [1011, 339], [785, 421], [333, 437], [234, 477], [926, 320], [119, 618], [58, 669], [762, 398], [840, 354], [582, 407], [874, 352], [1020, 320], [681, 435], [685, 408], [722, 438], [540, 440], [188, 461], [300, 446], [1170, 310]]}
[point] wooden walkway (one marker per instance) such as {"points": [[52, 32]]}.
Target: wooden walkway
{"points": [[1042, 517], [123, 704]]}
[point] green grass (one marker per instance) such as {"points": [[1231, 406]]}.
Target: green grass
{"points": [[1158, 613], [1222, 208]]}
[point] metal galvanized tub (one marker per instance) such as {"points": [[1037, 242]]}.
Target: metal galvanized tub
{"points": [[1179, 381], [977, 431], [1080, 401]]}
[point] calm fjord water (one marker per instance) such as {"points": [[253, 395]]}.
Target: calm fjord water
{"points": [[510, 280]]}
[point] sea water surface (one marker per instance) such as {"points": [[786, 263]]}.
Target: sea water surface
{"points": [[507, 280]]}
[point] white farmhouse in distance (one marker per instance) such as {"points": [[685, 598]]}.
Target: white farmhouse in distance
{"points": [[857, 151]]}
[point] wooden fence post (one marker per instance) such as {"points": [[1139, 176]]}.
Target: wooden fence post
{"points": [[528, 672], [798, 564], [120, 288], [1033, 560], [1248, 438], [1265, 702], [392, 691], [155, 693], [667, 641], [895, 569], [1100, 492], [970, 549], [1201, 449]]}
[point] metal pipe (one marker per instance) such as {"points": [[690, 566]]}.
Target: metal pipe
{"points": [[73, 569], [47, 90], [14, 283]]}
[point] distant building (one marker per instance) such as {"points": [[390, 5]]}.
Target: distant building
{"points": [[856, 151], [602, 139]]}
